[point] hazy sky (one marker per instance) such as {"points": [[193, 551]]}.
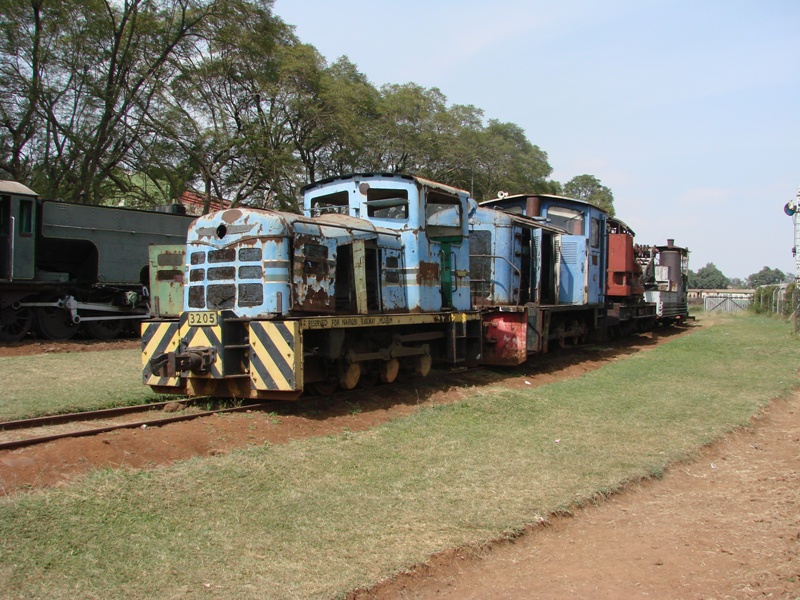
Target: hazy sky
{"points": [[689, 110]]}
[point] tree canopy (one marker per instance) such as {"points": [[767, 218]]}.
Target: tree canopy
{"points": [[766, 276], [708, 278], [102, 100], [589, 189]]}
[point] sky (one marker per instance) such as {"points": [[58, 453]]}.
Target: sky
{"points": [[689, 110]]}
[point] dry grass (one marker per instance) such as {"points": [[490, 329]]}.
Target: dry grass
{"points": [[56, 383], [318, 517]]}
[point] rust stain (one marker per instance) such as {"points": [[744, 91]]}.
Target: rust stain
{"points": [[231, 216], [315, 298], [428, 273]]}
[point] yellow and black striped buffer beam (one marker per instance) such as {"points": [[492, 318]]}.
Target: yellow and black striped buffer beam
{"points": [[276, 354], [204, 336], [158, 338]]}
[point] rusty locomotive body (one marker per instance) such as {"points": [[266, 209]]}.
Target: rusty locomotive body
{"points": [[384, 274]]}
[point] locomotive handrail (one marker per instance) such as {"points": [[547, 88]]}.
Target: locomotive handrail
{"points": [[387, 202], [11, 256], [510, 264], [107, 230]]}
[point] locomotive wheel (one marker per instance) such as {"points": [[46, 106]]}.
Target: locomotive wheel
{"points": [[349, 375], [55, 323], [15, 323], [389, 370], [422, 365], [575, 326], [103, 330], [322, 388], [561, 336], [369, 377]]}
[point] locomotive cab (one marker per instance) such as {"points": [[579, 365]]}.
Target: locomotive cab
{"points": [[565, 298], [18, 210], [431, 221]]}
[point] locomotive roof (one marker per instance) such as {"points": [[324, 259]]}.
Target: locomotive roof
{"points": [[521, 196], [622, 224], [419, 180], [535, 222], [12, 187]]}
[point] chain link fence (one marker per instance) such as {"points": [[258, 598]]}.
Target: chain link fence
{"points": [[781, 300]]}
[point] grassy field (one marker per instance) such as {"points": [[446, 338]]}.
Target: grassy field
{"points": [[56, 383], [319, 517]]}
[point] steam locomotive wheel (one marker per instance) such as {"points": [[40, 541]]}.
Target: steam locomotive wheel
{"points": [[14, 323], [55, 323], [104, 330]]}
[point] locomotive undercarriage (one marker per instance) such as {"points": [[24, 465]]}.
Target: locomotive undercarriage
{"points": [[624, 319], [58, 312], [243, 358], [513, 334], [347, 358]]}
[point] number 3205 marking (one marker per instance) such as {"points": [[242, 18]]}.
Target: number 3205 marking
{"points": [[202, 319]]}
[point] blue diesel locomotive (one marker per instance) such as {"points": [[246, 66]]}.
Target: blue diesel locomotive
{"points": [[382, 274]]}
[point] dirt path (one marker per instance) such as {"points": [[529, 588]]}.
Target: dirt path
{"points": [[726, 525]]}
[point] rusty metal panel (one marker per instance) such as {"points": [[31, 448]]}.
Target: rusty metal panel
{"points": [[314, 272], [505, 338], [393, 296], [167, 273], [360, 276], [621, 264]]}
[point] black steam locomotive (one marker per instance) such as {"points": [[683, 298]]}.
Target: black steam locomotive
{"points": [[69, 267]]}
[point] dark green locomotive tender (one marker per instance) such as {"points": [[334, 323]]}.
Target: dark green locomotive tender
{"points": [[64, 266]]}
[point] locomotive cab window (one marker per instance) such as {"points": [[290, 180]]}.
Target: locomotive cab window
{"points": [[568, 219], [315, 260], [5, 215], [442, 215], [594, 233], [387, 203], [330, 203], [26, 217]]}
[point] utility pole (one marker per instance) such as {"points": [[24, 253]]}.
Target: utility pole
{"points": [[792, 208]]}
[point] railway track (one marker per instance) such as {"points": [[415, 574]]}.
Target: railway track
{"points": [[27, 426], [29, 429]]}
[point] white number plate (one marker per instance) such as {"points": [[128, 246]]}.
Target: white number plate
{"points": [[202, 319]]}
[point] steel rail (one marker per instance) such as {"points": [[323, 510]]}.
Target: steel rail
{"points": [[139, 424], [88, 415]]}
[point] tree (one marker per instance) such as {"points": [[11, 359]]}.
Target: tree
{"points": [[224, 114], [708, 278], [736, 283], [78, 78], [589, 189], [104, 100], [766, 276]]}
